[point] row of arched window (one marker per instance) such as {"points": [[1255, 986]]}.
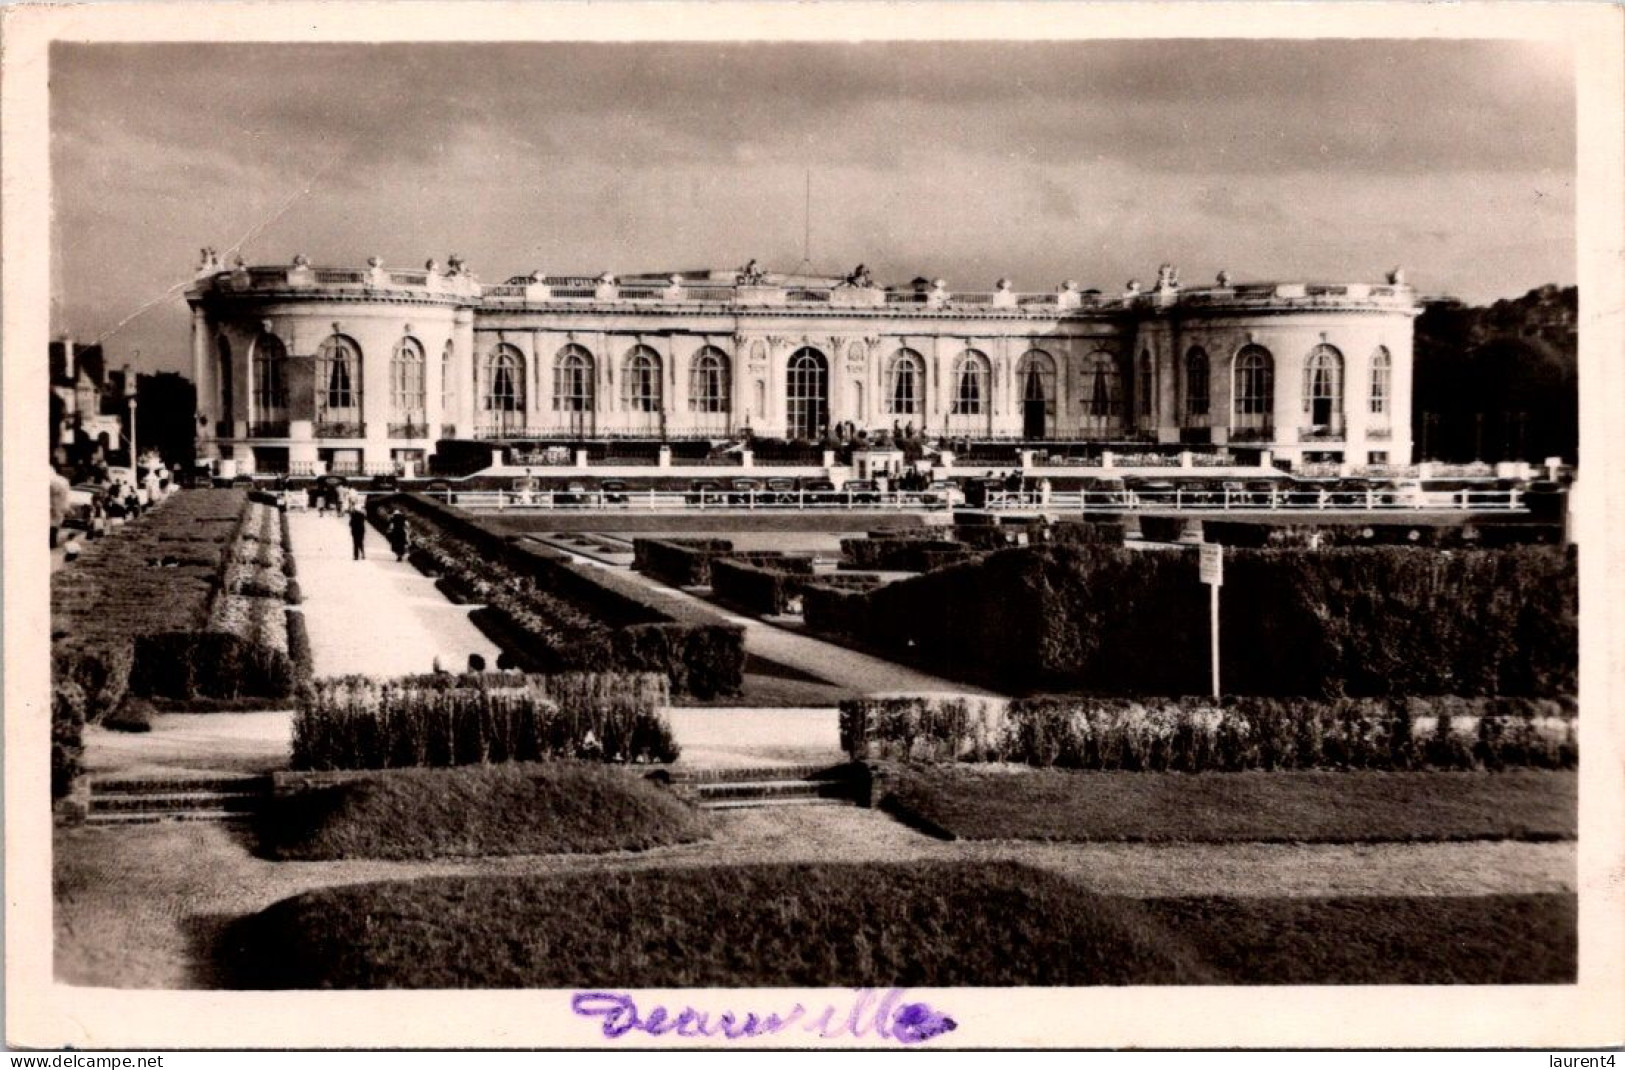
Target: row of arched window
{"points": [[500, 382]]}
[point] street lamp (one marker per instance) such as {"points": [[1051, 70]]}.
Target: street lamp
{"points": [[129, 395]]}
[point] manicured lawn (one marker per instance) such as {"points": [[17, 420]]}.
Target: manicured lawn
{"points": [[1305, 807], [874, 925], [472, 811], [770, 684]]}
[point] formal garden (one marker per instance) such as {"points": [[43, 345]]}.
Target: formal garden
{"points": [[1397, 711]]}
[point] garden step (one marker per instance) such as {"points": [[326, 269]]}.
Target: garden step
{"points": [[176, 802], [694, 777], [155, 816], [793, 800], [746, 789]]}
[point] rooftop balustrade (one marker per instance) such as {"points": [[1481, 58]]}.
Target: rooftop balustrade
{"points": [[581, 289]]}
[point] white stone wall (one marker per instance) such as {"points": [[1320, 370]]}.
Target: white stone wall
{"points": [[858, 345]]}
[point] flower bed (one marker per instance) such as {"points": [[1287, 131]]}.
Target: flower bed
{"points": [[133, 615], [365, 723], [1241, 533], [552, 614], [1199, 735]]}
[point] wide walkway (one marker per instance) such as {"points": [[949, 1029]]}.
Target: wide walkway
{"points": [[376, 616]]}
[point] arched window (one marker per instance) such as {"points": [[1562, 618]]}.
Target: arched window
{"points": [[504, 379], [905, 383], [572, 380], [338, 379], [1196, 382], [806, 393], [1323, 388], [448, 385], [641, 382], [1145, 385], [1382, 381], [406, 381], [1035, 377], [1254, 387], [708, 381], [1100, 391], [971, 372], [270, 379]]}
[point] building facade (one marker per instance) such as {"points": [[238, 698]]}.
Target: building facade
{"points": [[365, 370]]}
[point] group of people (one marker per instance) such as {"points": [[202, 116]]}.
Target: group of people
{"points": [[399, 534]]}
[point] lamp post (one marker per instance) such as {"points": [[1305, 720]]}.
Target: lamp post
{"points": [[129, 395]]}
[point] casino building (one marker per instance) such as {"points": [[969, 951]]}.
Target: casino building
{"points": [[366, 369]]}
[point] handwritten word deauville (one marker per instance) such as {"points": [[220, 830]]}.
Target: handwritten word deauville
{"points": [[887, 1017]]}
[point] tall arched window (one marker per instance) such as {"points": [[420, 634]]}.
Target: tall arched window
{"points": [[1100, 391], [1254, 387], [504, 397], [708, 381], [1323, 389], [407, 383], [339, 385], [1145, 385], [905, 383], [641, 383], [572, 380], [806, 394], [270, 383], [1382, 381], [1196, 383], [971, 374], [448, 385], [1035, 378], [223, 364]]}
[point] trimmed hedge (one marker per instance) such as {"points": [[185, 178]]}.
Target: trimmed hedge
{"points": [[679, 562], [148, 612], [1198, 735], [901, 555], [769, 591], [553, 614], [1376, 621], [364, 723], [68, 706], [1162, 528]]}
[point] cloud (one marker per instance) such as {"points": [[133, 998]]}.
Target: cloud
{"points": [[1092, 160]]}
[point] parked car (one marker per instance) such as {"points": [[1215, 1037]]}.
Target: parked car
{"points": [[943, 492], [574, 493], [615, 491], [818, 491], [864, 491], [705, 490], [782, 491], [744, 491]]}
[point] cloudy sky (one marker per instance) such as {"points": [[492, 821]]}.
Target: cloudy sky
{"points": [[1096, 161]]}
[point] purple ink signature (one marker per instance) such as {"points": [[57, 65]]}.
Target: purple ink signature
{"points": [[887, 1016]]}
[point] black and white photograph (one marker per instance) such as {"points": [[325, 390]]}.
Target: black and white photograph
{"points": [[749, 538]]}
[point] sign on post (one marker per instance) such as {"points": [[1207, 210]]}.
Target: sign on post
{"points": [[1211, 564], [1210, 567]]}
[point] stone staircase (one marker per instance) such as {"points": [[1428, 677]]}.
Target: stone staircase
{"points": [[144, 800], [783, 785]]}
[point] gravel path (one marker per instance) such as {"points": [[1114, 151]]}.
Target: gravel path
{"points": [[378, 615], [193, 879]]}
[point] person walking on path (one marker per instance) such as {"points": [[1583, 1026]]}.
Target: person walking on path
{"points": [[358, 534], [398, 540]]}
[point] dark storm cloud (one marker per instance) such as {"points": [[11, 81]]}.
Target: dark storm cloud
{"points": [[971, 160], [1177, 105]]}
